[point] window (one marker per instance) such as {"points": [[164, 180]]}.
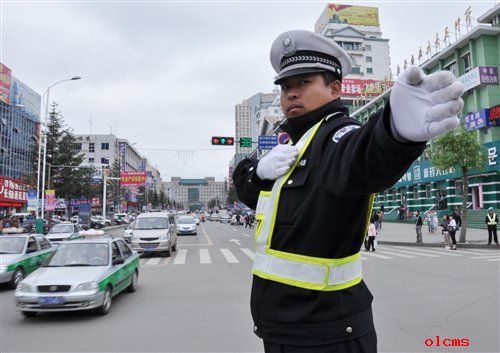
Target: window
{"points": [[459, 188], [466, 62], [369, 59], [428, 191], [356, 70], [368, 47], [415, 192], [91, 147], [32, 246], [453, 68], [78, 146], [369, 70], [105, 160], [104, 146], [91, 160], [44, 244], [126, 252], [115, 253]]}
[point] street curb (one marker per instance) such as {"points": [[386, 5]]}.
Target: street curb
{"points": [[114, 227], [439, 245]]}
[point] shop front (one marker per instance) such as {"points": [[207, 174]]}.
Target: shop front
{"points": [[12, 196]]}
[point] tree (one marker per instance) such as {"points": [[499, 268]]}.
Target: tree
{"points": [[64, 173], [459, 149], [231, 195], [212, 203]]}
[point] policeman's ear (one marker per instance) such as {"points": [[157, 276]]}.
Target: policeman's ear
{"points": [[335, 89]]}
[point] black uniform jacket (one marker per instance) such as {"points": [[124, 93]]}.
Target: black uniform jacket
{"points": [[323, 213]]}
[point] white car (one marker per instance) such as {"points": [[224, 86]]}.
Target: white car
{"points": [[63, 232], [127, 235], [186, 225]]}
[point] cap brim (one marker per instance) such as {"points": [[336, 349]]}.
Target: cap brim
{"points": [[297, 72]]}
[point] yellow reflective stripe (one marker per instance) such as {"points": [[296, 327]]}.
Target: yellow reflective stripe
{"points": [[313, 260], [370, 209], [284, 179]]}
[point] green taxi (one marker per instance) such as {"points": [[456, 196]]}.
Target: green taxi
{"points": [[21, 254], [82, 274]]}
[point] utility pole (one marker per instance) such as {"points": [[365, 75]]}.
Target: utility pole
{"points": [[105, 180]]}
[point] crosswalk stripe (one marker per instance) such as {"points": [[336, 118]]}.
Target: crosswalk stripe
{"points": [[412, 252], [497, 256], [248, 252], [440, 251], [479, 251], [493, 259], [470, 252], [229, 256], [153, 261], [364, 258], [369, 254], [205, 257], [180, 259], [395, 254]]}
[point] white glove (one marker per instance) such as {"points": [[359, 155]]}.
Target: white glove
{"points": [[424, 106], [277, 162]]}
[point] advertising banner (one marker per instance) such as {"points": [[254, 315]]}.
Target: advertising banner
{"points": [[22, 94], [348, 14], [488, 75], [122, 149], [470, 79], [31, 198], [50, 200], [133, 178], [354, 87], [60, 204], [13, 190], [477, 120], [5, 82]]}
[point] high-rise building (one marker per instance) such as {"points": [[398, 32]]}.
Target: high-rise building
{"points": [[195, 194], [357, 30]]}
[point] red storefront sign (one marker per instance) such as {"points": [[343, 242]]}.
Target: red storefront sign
{"points": [[12, 192], [133, 178]]}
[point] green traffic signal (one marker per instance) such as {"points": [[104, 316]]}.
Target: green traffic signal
{"points": [[246, 142]]}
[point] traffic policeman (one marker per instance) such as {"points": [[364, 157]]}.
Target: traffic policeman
{"points": [[313, 197], [491, 221]]}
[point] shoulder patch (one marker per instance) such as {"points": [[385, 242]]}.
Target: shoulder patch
{"points": [[341, 132]]}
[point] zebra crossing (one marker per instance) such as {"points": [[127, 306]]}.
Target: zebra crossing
{"points": [[205, 256]]}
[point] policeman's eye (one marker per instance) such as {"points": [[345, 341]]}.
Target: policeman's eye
{"points": [[284, 87], [303, 82]]}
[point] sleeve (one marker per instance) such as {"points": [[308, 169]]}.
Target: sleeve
{"points": [[248, 185], [367, 159]]}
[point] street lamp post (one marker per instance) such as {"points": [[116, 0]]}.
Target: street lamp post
{"points": [[104, 180], [44, 138]]}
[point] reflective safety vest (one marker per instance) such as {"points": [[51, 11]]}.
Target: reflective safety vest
{"points": [[491, 220], [293, 269]]}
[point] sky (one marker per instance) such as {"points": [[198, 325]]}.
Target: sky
{"points": [[167, 75]]}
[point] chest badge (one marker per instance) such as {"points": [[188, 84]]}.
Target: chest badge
{"points": [[302, 163]]}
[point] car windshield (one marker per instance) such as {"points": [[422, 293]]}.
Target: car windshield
{"points": [[11, 245], [151, 223], [61, 228], [79, 254], [186, 220]]}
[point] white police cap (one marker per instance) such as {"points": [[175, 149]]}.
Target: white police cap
{"points": [[301, 52], [490, 209]]}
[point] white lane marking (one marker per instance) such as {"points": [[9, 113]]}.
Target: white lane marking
{"points": [[493, 259], [486, 257], [441, 251], [412, 252], [369, 254], [390, 252], [153, 261], [205, 257], [143, 262], [472, 252], [180, 259], [229, 256], [363, 258], [248, 252]]}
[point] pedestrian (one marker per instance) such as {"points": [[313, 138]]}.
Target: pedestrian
{"points": [[418, 226], [452, 229], [381, 215], [372, 233], [313, 198], [434, 221], [445, 232], [492, 221], [238, 219], [246, 219], [457, 218], [376, 219]]}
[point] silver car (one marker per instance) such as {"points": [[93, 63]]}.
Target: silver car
{"points": [[21, 254], [80, 275], [63, 232], [154, 232], [186, 225], [127, 234]]}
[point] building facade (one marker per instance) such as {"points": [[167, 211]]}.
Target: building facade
{"points": [[474, 58], [195, 194]]}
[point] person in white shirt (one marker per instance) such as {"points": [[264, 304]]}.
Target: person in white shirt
{"points": [[452, 228]]}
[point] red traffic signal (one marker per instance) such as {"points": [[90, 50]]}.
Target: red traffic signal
{"points": [[222, 141]]}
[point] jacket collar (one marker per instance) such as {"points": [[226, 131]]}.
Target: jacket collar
{"points": [[298, 126]]}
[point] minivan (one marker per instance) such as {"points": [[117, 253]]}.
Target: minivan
{"points": [[154, 232]]}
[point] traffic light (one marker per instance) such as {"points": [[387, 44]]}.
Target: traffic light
{"points": [[222, 140], [245, 142]]}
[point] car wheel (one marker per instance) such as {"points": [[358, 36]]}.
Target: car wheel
{"points": [[17, 277], [106, 304], [97, 226], [133, 285], [29, 313]]}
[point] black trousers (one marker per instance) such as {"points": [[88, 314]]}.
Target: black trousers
{"points": [[492, 231], [371, 243], [363, 344], [452, 236]]}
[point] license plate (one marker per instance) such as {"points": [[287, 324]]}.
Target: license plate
{"points": [[51, 300], [149, 248]]}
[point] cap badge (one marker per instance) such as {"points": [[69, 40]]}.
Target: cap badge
{"points": [[289, 46]]}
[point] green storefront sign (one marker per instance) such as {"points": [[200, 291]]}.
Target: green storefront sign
{"points": [[424, 172]]}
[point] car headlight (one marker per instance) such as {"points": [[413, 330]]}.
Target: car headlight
{"points": [[88, 286], [165, 237], [25, 287]]}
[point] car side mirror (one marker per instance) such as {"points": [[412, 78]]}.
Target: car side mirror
{"points": [[118, 261]]}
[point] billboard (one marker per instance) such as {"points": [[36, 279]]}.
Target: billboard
{"points": [[354, 87], [133, 178], [12, 190], [349, 15], [50, 200], [122, 150], [5, 82], [22, 94]]}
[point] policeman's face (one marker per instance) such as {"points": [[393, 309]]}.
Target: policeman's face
{"points": [[304, 93]]}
